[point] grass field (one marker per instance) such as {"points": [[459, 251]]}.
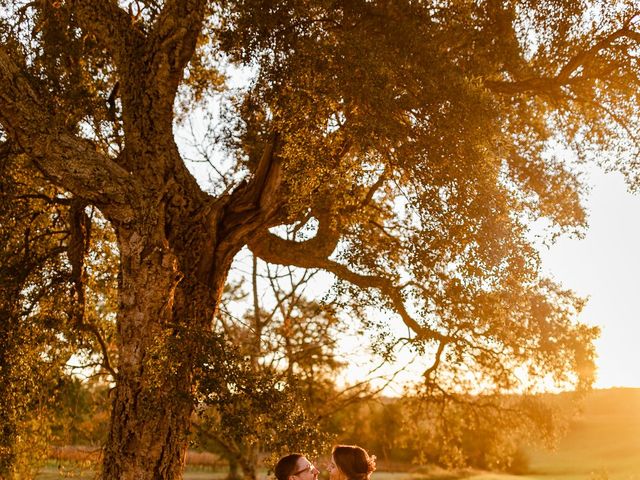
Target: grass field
{"points": [[603, 443]]}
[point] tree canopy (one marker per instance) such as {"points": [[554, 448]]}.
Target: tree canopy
{"points": [[405, 147]]}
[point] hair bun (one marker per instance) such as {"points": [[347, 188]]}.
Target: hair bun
{"points": [[371, 464]]}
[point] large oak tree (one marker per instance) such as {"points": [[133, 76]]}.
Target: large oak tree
{"points": [[404, 145]]}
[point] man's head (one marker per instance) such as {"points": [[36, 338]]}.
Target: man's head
{"points": [[295, 467]]}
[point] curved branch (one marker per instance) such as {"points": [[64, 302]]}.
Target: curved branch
{"points": [[429, 372], [274, 249], [106, 363], [374, 188], [584, 58]]}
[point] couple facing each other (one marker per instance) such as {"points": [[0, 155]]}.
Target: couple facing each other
{"points": [[348, 462]]}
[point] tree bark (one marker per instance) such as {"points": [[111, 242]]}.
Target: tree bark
{"points": [[148, 425], [234, 469], [167, 300]]}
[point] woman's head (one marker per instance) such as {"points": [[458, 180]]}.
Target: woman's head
{"points": [[350, 462]]}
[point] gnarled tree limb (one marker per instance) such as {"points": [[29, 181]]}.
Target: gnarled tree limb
{"points": [[308, 254], [256, 203], [66, 159]]}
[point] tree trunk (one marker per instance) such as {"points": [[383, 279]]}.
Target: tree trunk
{"points": [[164, 309]]}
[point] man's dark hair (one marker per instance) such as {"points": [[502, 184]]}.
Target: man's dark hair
{"points": [[286, 466]]}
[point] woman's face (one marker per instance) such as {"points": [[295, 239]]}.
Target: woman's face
{"points": [[334, 471]]}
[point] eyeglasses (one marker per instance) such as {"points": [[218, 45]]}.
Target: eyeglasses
{"points": [[308, 467]]}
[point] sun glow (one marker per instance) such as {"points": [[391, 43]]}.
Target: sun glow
{"points": [[604, 266]]}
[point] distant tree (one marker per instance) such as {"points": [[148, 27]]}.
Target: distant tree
{"points": [[81, 412], [485, 432], [387, 425], [405, 142], [246, 411], [457, 431]]}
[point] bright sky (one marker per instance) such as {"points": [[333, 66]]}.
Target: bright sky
{"points": [[605, 267]]}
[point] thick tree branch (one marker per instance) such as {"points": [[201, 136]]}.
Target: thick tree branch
{"points": [[172, 41], [274, 249], [254, 204], [260, 191], [67, 160], [77, 249]]}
